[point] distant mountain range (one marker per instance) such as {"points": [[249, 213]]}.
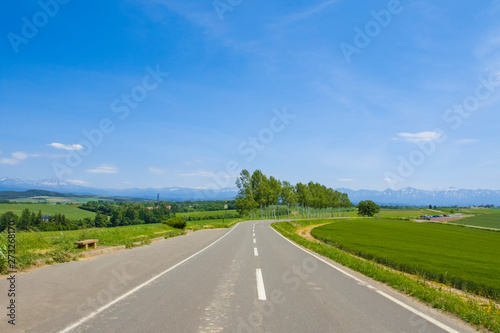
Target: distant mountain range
{"points": [[406, 196], [166, 193]]}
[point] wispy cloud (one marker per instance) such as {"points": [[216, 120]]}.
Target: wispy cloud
{"points": [[11, 161], [20, 155], [157, 171], [418, 137], [198, 174], [66, 147], [466, 141], [310, 11], [104, 169], [76, 181], [16, 158], [345, 180]]}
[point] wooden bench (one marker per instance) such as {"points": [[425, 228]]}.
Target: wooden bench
{"points": [[85, 243]]}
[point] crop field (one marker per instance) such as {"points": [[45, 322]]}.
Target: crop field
{"points": [[491, 220], [464, 258], [58, 246], [71, 211]]}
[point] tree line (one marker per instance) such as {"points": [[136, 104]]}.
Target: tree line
{"points": [[259, 193], [107, 215]]}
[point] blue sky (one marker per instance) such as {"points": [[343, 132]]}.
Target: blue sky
{"points": [[356, 94]]}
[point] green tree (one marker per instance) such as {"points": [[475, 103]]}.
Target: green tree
{"points": [[25, 220], [368, 208], [6, 220], [245, 201], [260, 189], [303, 197], [100, 221], [274, 194], [288, 195]]}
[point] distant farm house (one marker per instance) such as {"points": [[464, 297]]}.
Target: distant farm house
{"points": [[46, 218]]}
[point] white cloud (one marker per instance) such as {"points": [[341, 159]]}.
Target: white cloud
{"points": [[466, 141], [16, 158], [157, 171], [104, 169], [419, 137], [345, 180], [76, 181], [20, 155], [11, 161], [66, 147]]}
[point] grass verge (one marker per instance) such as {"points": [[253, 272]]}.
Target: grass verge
{"points": [[480, 314], [58, 246], [213, 224]]}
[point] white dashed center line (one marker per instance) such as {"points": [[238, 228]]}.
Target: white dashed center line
{"points": [[261, 291]]}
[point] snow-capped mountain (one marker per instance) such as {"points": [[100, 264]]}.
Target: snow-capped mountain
{"points": [[405, 196], [166, 193], [413, 196]]}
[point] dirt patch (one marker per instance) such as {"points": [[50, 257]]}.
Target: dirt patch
{"points": [[306, 232], [140, 236]]}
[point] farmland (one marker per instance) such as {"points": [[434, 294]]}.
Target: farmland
{"points": [[464, 258], [71, 211], [489, 218], [208, 214]]}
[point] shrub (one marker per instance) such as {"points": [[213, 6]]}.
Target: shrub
{"points": [[176, 222]]}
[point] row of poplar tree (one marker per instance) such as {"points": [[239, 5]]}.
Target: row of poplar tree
{"points": [[257, 192]]}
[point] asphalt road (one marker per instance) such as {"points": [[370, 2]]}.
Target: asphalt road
{"points": [[246, 279]]}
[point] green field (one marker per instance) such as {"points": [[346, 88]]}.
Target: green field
{"points": [[218, 223], [59, 199], [490, 220], [58, 246], [71, 211], [465, 258], [206, 214]]}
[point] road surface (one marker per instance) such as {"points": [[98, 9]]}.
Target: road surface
{"points": [[245, 279]]}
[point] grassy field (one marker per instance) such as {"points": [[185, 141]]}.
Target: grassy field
{"points": [[206, 214], [59, 199], [58, 246], [71, 211], [482, 314], [490, 220], [465, 258], [218, 223]]}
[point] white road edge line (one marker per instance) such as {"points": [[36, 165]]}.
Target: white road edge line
{"points": [[381, 293], [116, 300], [261, 291], [255, 252]]}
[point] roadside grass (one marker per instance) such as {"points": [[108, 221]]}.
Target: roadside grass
{"points": [[58, 246], [469, 309], [213, 213], [213, 224], [71, 211], [464, 258]]}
